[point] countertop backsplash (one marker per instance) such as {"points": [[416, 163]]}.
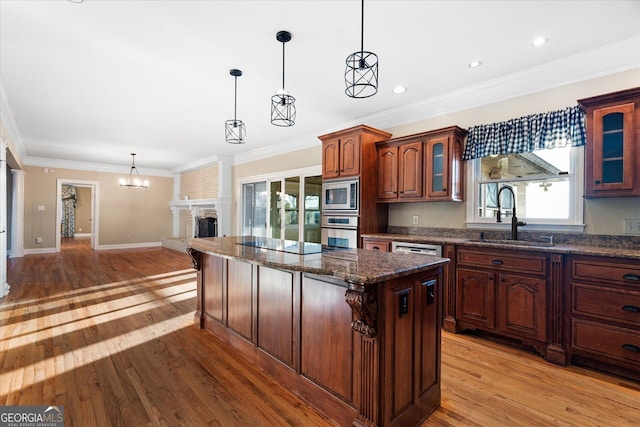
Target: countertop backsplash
{"points": [[609, 241]]}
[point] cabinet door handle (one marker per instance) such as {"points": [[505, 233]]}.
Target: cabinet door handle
{"points": [[497, 262], [376, 248], [631, 347], [631, 308], [631, 276]]}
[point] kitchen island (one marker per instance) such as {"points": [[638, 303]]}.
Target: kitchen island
{"points": [[355, 333]]}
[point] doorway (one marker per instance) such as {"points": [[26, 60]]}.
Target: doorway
{"points": [[93, 220]]}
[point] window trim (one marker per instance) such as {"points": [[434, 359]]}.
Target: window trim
{"points": [[575, 222]]}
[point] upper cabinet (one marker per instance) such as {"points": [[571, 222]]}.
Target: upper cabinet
{"points": [[400, 170], [422, 167], [347, 152], [612, 153]]}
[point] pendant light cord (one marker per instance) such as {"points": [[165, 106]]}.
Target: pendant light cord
{"points": [[235, 98], [362, 29], [283, 66]]}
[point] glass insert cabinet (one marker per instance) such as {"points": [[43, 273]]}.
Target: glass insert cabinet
{"points": [[612, 156]]}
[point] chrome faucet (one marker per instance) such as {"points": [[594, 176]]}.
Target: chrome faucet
{"points": [[514, 219]]}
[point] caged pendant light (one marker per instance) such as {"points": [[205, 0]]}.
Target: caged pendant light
{"points": [[234, 130], [361, 74], [134, 180], [283, 108]]}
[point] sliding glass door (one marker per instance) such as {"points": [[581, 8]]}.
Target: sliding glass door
{"points": [[254, 209], [283, 208]]}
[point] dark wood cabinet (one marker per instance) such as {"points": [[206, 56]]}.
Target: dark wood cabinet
{"points": [[381, 245], [351, 153], [605, 313], [612, 153], [476, 297], [341, 157], [422, 167], [509, 303], [387, 172], [503, 292], [444, 169], [400, 171]]}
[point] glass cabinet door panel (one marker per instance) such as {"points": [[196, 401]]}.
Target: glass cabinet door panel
{"points": [[437, 167]]}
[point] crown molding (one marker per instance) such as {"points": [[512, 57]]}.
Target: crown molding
{"points": [[276, 149], [93, 167]]}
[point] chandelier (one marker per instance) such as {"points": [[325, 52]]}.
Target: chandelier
{"points": [[134, 180]]}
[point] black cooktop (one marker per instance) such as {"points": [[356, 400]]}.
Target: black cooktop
{"points": [[288, 246]]}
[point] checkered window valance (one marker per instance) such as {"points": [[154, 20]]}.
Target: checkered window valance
{"points": [[552, 129]]}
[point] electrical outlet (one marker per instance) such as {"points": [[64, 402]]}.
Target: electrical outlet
{"points": [[632, 226], [415, 220], [38, 239]]}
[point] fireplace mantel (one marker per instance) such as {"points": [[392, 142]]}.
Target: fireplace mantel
{"points": [[194, 207], [196, 203]]}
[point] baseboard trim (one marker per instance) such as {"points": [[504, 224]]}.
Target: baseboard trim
{"points": [[128, 246]]}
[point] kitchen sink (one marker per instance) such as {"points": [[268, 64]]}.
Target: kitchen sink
{"points": [[512, 242]]}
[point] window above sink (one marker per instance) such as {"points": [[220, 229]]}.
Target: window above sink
{"points": [[548, 185]]}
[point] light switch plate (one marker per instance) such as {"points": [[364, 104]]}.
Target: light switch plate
{"points": [[415, 220]]}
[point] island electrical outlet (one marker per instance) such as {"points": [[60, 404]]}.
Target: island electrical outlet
{"points": [[632, 226]]}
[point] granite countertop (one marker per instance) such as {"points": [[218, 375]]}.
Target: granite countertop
{"points": [[351, 265], [560, 248]]}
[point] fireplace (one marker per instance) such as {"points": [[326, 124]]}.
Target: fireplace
{"points": [[206, 226]]}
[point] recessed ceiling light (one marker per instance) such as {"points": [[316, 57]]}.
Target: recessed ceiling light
{"points": [[475, 64], [538, 42], [399, 89], [75, 1]]}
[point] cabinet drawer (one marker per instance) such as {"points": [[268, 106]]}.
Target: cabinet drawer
{"points": [[606, 302], [525, 262], [376, 245], [609, 341], [609, 272]]}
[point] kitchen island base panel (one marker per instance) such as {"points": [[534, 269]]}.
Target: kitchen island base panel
{"points": [[336, 409], [363, 354]]}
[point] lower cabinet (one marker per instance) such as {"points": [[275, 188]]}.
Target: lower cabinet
{"points": [[382, 245], [605, 314], [503, 292]]}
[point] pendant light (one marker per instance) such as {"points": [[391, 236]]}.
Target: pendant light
{"points": [[361, 74], [283, 108], [134, 180], [235, 130]]}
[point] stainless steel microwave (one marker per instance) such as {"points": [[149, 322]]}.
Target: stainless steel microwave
{"points": [[341, 196]]}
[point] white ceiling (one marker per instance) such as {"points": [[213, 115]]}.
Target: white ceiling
{"points": [[95, 81]]}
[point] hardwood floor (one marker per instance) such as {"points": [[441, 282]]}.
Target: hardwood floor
{"points": [[110, 335]]}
